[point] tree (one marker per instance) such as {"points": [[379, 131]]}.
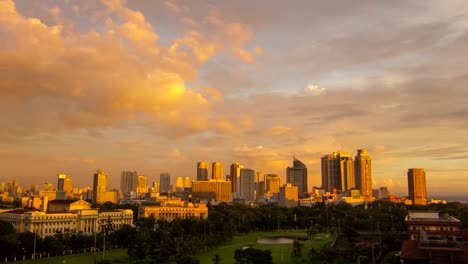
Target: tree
{"points": [[6, 228], [252, 256], [296, 252], [216, 259]]}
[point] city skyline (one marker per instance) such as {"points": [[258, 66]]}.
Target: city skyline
{"points": [[157, 86]]}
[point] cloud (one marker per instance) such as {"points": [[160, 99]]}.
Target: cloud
{"points": [[112, 73], [314, 90]]}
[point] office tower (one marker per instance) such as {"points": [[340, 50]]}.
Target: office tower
{"points": [[363, 174], [212, 190], [297, 176], [164, 182], [247, 184], [99, 186], [142, 185], [338, 172], [417, 186], [217, 171], [273, 183], [202, 171], [155, 187], [64, 184], [288, 195], [234, 176], [179, 184], [187, 182], [128, 182]]}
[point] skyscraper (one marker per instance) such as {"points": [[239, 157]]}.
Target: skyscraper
{"points": [[99, 186], [417, 186], [297, 176], [247, 184], [363, 174], [128, 182], [235, 174], [338, 172], [187, 182], [179, 184], [142, 185], [217, 171], [64, 184], [164, 182], [273, 183], [202, 171]]}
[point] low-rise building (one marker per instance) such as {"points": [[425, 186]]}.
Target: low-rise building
{"points": [[433, 238], [172, 210], [65, 216]]}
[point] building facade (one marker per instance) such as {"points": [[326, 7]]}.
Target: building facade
{"points": [[363, 174], [247, 185], [164, 182], [288, 196], [170, 211], [417, 186], [99, 186], [338, 172], [202, 171], [217, 172], [273, 183], [297, 176], [234, 175], [128, 182], [433, 238], [65, 216], [212, 190], [64, 184]]}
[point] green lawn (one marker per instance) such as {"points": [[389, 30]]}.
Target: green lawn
{"points": [[115, 255], [280, 253]]}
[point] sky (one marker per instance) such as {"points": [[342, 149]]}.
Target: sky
{"points": [[156, 86]]}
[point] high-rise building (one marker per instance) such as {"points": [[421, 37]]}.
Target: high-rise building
{"points": [[217, 171], [155, 188], [338, 172], [164, 182], [64, 184], [273, 183], [99, 186], [247, 184], [363, 174], [417, 186], [179, 184], [235, 169], [297, 176], [202, 171], [142, 185], [128, 182], [288, 196], [187, 182], [216, 190]]}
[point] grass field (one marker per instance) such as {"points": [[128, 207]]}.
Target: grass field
{"points": [[281, 253], [115, 255]]}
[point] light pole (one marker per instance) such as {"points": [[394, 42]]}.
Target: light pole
{"points": [[34, 248]]}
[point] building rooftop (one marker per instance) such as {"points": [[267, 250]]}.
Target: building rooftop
{"points": [[59, 201], [432, 216]]}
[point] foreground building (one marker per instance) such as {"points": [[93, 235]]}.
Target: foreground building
{"points": [[433, 238], [59, 216]]}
